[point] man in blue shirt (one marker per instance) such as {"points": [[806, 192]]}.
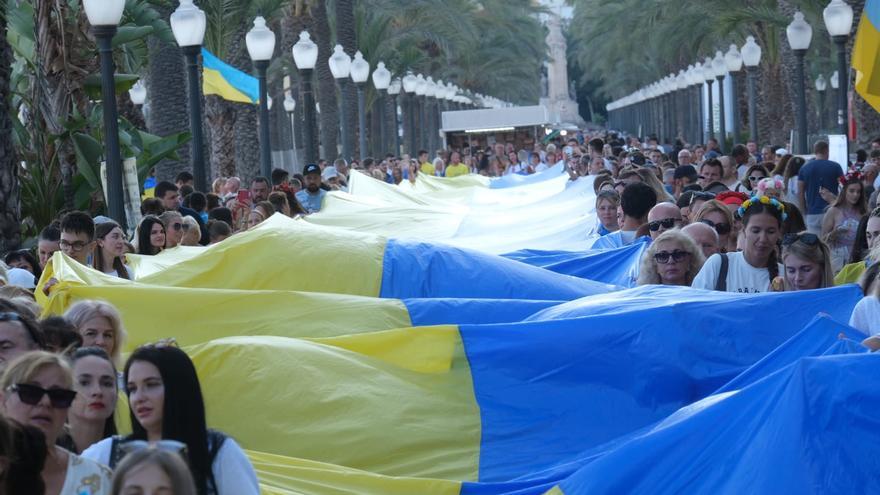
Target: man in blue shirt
{"points": [[311, 197], [814, 176]]}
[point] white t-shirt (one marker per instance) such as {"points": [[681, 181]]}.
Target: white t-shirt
{"points": [[232, 469], [866, 316], [741, 276]]}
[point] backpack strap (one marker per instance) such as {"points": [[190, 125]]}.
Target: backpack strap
{"points": [[721, 283], [216, 439], [116, 453]]}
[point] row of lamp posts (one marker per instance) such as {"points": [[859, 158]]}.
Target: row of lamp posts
{"points": [[655, 105], [188, 24]]}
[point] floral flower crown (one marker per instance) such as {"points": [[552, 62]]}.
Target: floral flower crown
{"points": [[850, 177], [764, 200]]}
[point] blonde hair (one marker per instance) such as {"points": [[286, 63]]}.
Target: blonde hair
{"points": [[715, 205], [23, 368], [172, 464], [648, 267], [817, 253], [82, 311]]}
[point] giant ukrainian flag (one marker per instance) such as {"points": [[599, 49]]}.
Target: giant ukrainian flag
{"points": [[866, 55], [227, 82]]}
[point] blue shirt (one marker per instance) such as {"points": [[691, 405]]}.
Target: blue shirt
{"points": [[816, 174], [311, 202]]}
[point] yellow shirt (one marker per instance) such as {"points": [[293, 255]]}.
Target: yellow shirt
{"points": [[456, 170], [850, 273], [427, 168]]}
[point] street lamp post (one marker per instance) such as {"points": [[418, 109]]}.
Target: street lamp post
{"points": [[290, 107], [709, 77], [340, 67], [360, 71], [394, 90], [421, 85], [834, 80], [382, 80], [188, 24], [104, 16], [799, 35], [821, 86], [260, 43], [839, 20], [138, 93], [751, 53], [409, 88], [719, 65], [733, 59], [305, 56]]}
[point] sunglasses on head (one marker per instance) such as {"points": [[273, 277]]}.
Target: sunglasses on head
{"points": [[131, 446], [666, 223], [807, 238], [721, 228], [32, 395], [701, 196], [676, 256]]}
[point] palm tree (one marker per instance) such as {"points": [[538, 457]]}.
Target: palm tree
{"points": [[326, 88], [346, 35], [10, 208]]}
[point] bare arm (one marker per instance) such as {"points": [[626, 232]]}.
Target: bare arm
{"points": [[829, 221]]}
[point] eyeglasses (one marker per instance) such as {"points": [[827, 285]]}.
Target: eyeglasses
{"points": [[721, 228], [186, 226], [666, 223], [676, 256], [131, 446], [31, 395], [176, 226], [73, 246], [10, 317], [807, 238], [753, 178]]}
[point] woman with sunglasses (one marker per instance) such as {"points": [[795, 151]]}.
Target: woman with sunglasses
{"points": [[110, 253], [36, 390], [166, 404], [807, 262], [752, 269], [841, 221], [749, 183], [151, 236], [173, 222], [715, 214], [90, 418], [672, 259]]}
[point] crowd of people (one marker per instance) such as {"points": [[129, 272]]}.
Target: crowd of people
{"points": [[748, 221]]}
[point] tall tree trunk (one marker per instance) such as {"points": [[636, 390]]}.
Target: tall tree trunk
{"points": [[220, 115], [10, 192], [346, 35], [326, 87], [166, 86], [246, 131]]}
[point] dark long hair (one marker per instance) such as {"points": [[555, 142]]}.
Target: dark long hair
{"points": [[82, 352], [29, 451], [144, 244], [101, 231], [183, 414], [754, 209]]}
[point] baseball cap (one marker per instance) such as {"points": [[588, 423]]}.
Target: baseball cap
{"points": [[21, 278], [781, 152], [329, 173], [311, 169], [685, 171], [711, 154]]}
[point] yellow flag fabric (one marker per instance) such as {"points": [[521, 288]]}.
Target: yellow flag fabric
{"points": [[866, 55]]}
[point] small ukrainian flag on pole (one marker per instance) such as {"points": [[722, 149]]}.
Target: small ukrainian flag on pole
{"points": [[227, 82]]}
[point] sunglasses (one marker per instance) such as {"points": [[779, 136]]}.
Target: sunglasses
{"points": [[32, 395], [807, 238], [666, 223], [721, 228], [177, 226], [701, 196], [753, 178], [676, 256]]}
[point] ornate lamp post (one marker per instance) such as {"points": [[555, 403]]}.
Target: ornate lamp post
{"points": [[305, 56], [261, 45], [104, 16], [734, 62], [821, 86], [421, 87], [709, 77], [138, 93], [360, 71], [719, 65], [799, 35], [188, 24], [340, 67], [839, 20], [751, 54], [290, 107], [409, 88], [394, 90], [382, 80]]}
